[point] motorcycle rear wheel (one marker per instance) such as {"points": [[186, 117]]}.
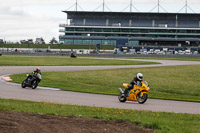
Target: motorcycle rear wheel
{"points": [[35, 84], [142, 99], [122, 97]]}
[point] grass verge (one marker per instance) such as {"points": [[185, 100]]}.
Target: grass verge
{"points": [[63, 61], [174, 82], [158, 121]]}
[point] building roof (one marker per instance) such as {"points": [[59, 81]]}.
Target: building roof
{"points": [[130, 14]]}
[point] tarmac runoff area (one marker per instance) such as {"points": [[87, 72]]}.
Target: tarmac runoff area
{"points": [[14, 91]]}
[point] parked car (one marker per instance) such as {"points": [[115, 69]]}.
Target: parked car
{"points": [[187, 52], [161, 53], [181, 52]]}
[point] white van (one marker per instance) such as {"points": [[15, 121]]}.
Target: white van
{"points": [[82, 51]]}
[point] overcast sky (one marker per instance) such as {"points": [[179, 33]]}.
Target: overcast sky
{"points": [[29, 19]]}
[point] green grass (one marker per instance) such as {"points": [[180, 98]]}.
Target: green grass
{"points": [[56, 46], [158, 121], [174, 82], [62, 61]]}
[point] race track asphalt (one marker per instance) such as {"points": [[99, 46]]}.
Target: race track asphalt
{"points": [[13, 91]]}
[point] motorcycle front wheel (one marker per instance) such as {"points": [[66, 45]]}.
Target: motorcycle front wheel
{"points": [[34, 84], [23, 84], [142, 99], [122, 97]]}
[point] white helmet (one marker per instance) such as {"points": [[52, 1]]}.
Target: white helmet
{"points": [[140, 76]]}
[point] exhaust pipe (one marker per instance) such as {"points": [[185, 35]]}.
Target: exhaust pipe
{"points": [[120, 89]]}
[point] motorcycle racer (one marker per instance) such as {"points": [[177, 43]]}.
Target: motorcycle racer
{"points": [[136, 80], [37, 73]]}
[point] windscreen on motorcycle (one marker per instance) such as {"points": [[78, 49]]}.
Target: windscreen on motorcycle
{"points": [[145, 82]]}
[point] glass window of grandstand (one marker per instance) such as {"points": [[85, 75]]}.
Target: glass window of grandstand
{"points": [[116, 30], [78, 42], [125, 30], [89, 29], [115, 34], [87, 42], [84, 34], [106, 35], [189, 31], [194, 31], [62, 41], [69, 41], [107, 30], [187, 36], [113, 42], [183, 31], [78, 34], [69, 29], [154, 31], [124, 35], [79, 29], [133, 43], [171, 36], [97, 42], [97, 30], [144, 31], [162, 31], [171, 31], [105, 42], [69, 34], [150, 35], [97, 34], [197, 31], [137, 35], [135, 30]]}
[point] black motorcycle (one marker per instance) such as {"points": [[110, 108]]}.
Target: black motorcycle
{"points": [[31, 81], [73, 55]]}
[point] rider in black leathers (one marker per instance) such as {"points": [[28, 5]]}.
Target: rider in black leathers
{"points": [[36, 72]]}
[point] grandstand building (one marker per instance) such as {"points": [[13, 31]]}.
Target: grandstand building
{"points": [[131, 29]]}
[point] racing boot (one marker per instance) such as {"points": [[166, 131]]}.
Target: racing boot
{"points": [[126, 92]]}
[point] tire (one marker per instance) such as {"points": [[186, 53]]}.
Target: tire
{"points": [[34, 84], [142, 99], [122, 97], [23, 84]]}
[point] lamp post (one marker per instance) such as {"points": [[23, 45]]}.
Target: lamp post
{"points": [[88, 35]]}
